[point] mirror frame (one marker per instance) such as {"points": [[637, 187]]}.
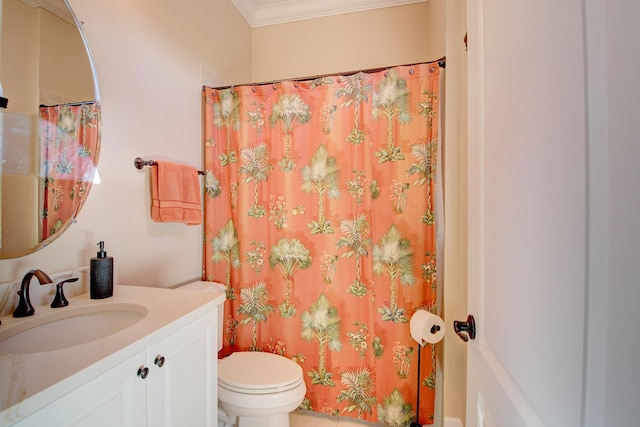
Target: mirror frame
{"points": [[97, 98]]}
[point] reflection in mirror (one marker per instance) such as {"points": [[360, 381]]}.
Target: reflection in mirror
{"points": [[50, 137]]}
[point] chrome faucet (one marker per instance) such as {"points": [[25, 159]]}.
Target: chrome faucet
{"points": [[24, 307]]}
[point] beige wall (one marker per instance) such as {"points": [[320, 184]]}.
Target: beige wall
{"points": [[20, 80], [65, 70], [386, 37], [41, 51], [349, 42], [152, 57], [43, 61], [455, 181], [23, 218]]}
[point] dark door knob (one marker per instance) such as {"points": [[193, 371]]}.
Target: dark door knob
{"points": [[468, 328]]}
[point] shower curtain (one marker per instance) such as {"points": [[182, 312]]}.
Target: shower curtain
{"points": [[69, 138], [320, 220]]}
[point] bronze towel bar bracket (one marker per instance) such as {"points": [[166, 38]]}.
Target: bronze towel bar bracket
{"points": [[139, 163]]}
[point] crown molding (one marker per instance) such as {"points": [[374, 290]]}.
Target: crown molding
{"points": [[260, 13], [57, 7]]}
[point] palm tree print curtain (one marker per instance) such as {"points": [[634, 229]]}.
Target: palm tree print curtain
{"points": [[69, 138], [320, 220]]}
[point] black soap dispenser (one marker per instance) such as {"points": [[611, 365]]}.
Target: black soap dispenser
{"points": [[101, 275]]}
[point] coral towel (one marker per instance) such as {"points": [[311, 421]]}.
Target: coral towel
{"points": [[175, 193]]}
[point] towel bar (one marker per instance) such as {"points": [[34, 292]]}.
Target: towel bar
{"points": [[139, 163]]}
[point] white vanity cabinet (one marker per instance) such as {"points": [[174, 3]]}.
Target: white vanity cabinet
{"points": [[172, 384], [116, 398], [182, 380], [166, 378]]}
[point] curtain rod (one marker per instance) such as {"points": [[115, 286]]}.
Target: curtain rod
{"points": [[442, 63], [70, 104]]}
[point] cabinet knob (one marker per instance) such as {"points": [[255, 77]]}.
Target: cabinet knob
{"points": [[143, 371], [159, 361]]}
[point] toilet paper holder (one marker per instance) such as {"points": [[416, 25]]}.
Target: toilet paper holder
{"points": [[468, 327]]}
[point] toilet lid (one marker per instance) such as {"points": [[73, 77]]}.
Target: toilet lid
{"points": [[258, 372]]}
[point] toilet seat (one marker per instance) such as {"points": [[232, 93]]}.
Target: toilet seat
{"points": [[253, 372]]}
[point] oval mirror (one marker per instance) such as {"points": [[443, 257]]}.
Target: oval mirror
{"points": [[50, 128]]}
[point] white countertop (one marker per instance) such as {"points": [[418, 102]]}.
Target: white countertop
{"points": [[29, 382]]}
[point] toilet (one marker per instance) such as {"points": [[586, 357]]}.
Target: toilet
{"points": [[260, 388], [255, 389]]}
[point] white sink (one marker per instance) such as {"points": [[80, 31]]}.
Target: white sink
{"points": [[68, 327]]}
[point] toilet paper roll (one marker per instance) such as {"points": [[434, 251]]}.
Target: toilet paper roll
{"points": [[426, 327]]}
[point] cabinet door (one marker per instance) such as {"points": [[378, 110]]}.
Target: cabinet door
{"points": [[182, 382], [117, 398]]}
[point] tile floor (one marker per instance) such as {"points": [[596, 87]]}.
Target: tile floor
{"points": [[314, 419]]}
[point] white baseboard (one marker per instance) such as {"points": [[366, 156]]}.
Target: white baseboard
{"points": [[452, 422]]}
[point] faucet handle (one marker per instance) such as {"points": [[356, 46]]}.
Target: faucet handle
{"points": [[60, 300]]}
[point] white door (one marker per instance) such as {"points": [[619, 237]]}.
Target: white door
{"points": [[527, 212]]}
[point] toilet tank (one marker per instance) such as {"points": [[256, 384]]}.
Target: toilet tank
{"points": [[202, 286]]}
